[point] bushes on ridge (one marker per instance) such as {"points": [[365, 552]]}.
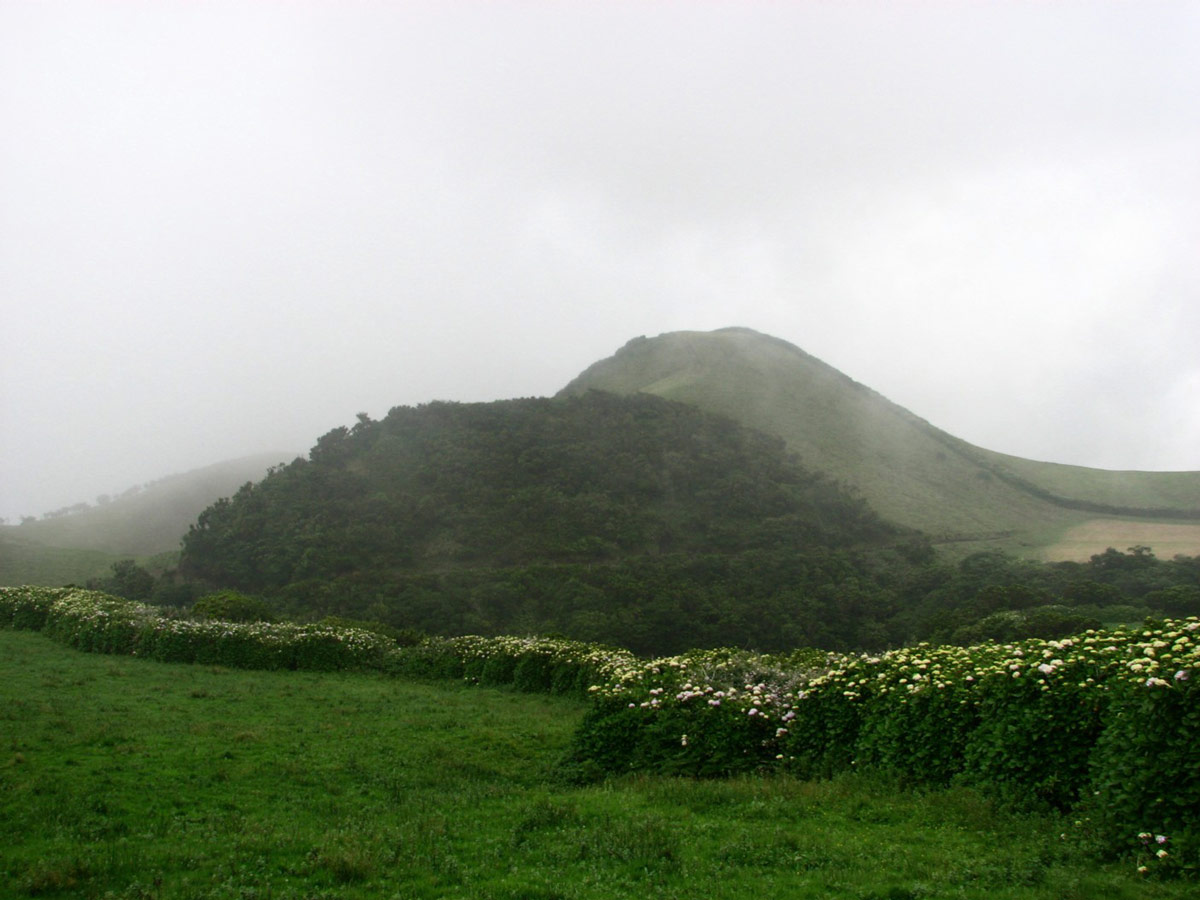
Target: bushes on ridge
{"points": [[233, 606]]}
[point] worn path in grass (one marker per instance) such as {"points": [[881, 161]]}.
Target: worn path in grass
{"points": [[123, 778]]}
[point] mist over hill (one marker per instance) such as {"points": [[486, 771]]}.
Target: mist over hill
{"points": [[962, 496], [82, 541], [908, 470], [695, 489]]}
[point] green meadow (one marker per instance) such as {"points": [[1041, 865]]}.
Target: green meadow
{"points": [[128, 778]]}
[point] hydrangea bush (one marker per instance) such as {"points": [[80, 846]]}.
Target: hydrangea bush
{"points": [[536, 664], [96, 622], [1145, 767], [1107, 722]]}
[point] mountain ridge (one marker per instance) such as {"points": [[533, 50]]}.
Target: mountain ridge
{"points": [[146, 519]]}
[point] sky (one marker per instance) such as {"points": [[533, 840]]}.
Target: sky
{"points": [[226, 228]]}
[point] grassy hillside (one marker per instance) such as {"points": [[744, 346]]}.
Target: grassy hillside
{"points": [[908, 470], [1163, 491], [130, 779], [26, 562], [143, 521]]}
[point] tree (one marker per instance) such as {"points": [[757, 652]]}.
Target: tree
{"points": [[128, 580], [1178, 600]]}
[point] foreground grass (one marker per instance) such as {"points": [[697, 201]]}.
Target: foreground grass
{"points": [[124, 778]]}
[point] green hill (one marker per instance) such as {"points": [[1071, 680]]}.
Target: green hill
{"points": [[630, 519], [75, 545], [906, 469], [26, 562]]}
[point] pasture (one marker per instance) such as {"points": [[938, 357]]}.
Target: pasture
{"points": [[1080, 542], [127, 778]]}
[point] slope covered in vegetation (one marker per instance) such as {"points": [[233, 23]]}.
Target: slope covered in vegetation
{"points": [[632, 519], [28, 562]]}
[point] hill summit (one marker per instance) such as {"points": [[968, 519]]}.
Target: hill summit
{"points": [[908, 470]]}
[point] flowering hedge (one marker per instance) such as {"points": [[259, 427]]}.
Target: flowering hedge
{"points": [[1145, 768], [96, 622], [537, 664], [1107, 723]]}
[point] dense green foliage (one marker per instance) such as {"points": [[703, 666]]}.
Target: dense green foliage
{"points": [[991, 595], [628, 519], [125, 579], [131, 780], [232, 606]]}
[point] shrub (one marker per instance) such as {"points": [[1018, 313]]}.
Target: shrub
{"points": [[1034, 734], [25, 607], [1145, 768], [128, 580], [922, 737], [232, 606], [403, 637]]}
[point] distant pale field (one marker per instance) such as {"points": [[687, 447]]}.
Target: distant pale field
{"points": [[1166, 539]]}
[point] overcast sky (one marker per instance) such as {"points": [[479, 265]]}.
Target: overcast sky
{"points": [[226, 228]]}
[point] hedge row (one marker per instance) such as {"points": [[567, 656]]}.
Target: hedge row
{"points": [[1106, 724], [536, 664], [97, 622]]}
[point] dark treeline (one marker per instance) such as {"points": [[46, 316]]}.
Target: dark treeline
{"points": [[845, 600], [628, 520], [991, 595]]}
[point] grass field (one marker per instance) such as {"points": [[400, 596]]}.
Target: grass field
{"points": [[27, 562], [1166, 539], [125, 778]]}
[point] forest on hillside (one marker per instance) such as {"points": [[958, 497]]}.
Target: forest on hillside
{"points": [[628, 519]]}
